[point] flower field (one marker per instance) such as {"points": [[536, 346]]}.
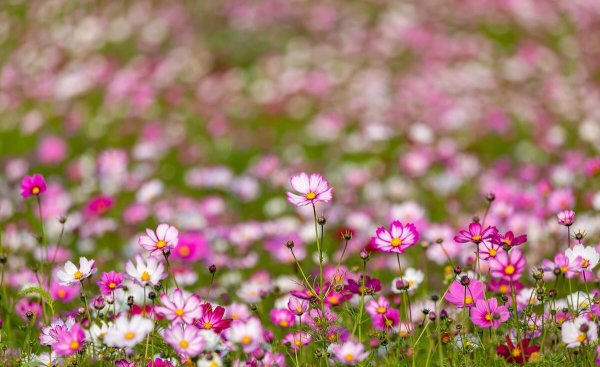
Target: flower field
{"points": [[270, 183]]}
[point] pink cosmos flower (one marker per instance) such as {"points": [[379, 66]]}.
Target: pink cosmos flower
{"points": [[282, 317], [33, 185], [465, 293], [69, 342], [166, 237], [26, 305], [397, 239], [48, 334], [377, 307], [563, 265], [509, 239], [185, 339], [191, 246], [110, 282], [509, 265], [178, 309], [350, 353], [313, 189], [298, 306], [489, 250], [212, 319], [297, 340], [387, 321], [566, 217], [475, 234], [98, 206], [64, 293], [489, 314]]}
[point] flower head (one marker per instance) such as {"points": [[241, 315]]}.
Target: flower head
{"points": [[586, 256], [212, 319], [350, 353], [69, 341], [110, 282], [72, 274], [476, 234], [465, 294], [566, 217], [509, 239], [313, 189], [165, 237], [520, 353], [127, 333], [397, 239], [489, 314], [150, 272], [179, 309], [579, 331], [185, 339], [33, 185], [508, 265]]}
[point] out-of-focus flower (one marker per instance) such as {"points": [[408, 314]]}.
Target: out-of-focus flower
{"points": [[579, 331], [520, 353], [247, 334], [185, 339], [586, 256], [127, 333], [177, 308], [350, 353], [69, 342], [566, 217]]}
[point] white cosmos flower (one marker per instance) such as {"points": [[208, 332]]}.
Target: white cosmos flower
{"points": [[150, 272], [579, 331], [72, 274], [588, 256], [127, 333]]}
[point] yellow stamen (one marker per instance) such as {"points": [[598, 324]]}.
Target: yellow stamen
{"points": [[581, 337], [477, 238], [62, 293], [129, 335], [161, 244], [179, 312], [112, 285], [78, 275], [207, 325], [35, 190], [246, 340], [311, 195], [184, 344], [284, 323], [488, 316], [493, 252], [396, 242], [184, 251], [516, 352], [381, 310], [468, 300], [74, 345], [509, 270], [145, 276], [349, 358]]}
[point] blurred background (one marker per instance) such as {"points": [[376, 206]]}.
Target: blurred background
{"points": [[198, 112]]}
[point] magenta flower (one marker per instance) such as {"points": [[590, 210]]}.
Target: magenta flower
{"points": [[33, 185], [509, 239], [64, 293], [109, 282], [185, 339], [26, 305], [465, 293], [212, 319], [489, 250], [509, 265], [475, 234], [313, 189], [397, 239], [282, 317], [99, 205], [389, 320], [69, 341], [488, 314], [177, 309], [566, 217], [166, 237]]}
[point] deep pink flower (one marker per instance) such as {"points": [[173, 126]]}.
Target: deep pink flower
{"points": [[282, 317], [178, 309], [33, 185], [465, 293], [509, 239], [509, 265], [566, 217], [98, 206], [212, 319], [387, 321], [26, 305], [313, 189], [475, 234], [397, 239], [191, 246], [488, 314], [110, 282], [166, 237], [69, 342], [489, 250]]}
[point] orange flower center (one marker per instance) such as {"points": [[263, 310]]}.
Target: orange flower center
{"points": [[179, 312], [468, 300], [396, 242], [581, 337], [509, 270], [488, 316], [246, 340], [477, 238], [62, 293], [381, 310], [35, 190], [145, 276], [161, 244], [112, 285], [311, 195], [78, 275], [129, 335], [516, 352], [207, 325], [493, 252], [349, 358], [284, 323], [74, 345], [184, 251], [184, 344]]}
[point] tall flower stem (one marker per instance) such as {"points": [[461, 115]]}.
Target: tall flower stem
{"points": [[170, 270]]}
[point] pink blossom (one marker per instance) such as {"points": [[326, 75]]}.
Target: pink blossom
{"points": [[509, 265], [488, 314], [465, 293], [166, 237], [177, 308], [313, 189], [33, 185], [69, 342], [397, 239]]}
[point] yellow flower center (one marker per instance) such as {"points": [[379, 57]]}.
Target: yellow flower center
{"points": [[581, 337], [411, 283], [145, 276], [184, 344], [334, 300], [284, 323], [161, 244], [311, 195], [62, 293], [468, 300], [297, 342], [74, 345], [516, 352], [112, 285], [207, 325], [564, 269], [585, 263], [35, 190], [349, 357], [509, 270], [477, 238], [299, 309], [381, 310], [213, 364], [78, 275], [129, 335], [396, 242], [503, 289], [488, 316], [246, 340], [184, 251], [179, 312], [534, 357], [493, 252]]}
